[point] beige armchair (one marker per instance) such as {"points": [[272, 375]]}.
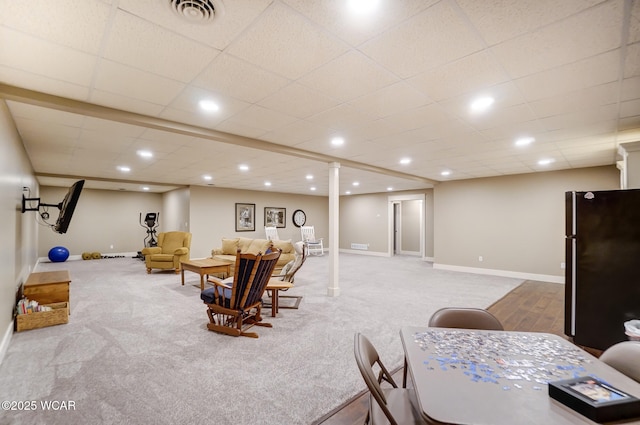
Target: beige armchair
{"points": [[173, 247]]}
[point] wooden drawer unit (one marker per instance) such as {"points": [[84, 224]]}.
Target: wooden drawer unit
{"points": [[48, 287]]}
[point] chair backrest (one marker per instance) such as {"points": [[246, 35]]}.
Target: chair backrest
{"points": [[465, 318], [290, 272], [625, 357], [308, 233], [271, 233], [366, 358], [170, 241], [252, 274]]}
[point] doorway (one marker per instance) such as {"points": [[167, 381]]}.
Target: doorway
{"points": [[406, 225]]}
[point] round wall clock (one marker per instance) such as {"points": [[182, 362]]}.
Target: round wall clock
{"points": [[299, 218]]}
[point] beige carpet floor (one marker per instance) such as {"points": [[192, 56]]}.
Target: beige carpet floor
{"points": [[136, 349]]}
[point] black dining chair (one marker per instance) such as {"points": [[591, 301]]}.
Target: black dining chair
{"points": [[386, 405]]}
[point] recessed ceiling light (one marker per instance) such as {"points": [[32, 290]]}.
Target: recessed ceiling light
{"points": [[337, 141], [348, 192], [207, 177], [545, 161], [389, 188], [123, 168], [312, 188], [267, 183], [145, 188], [356, 183], [524, 141], [481, 104], [362, 7], [145, 154], [243, 167], [209, 106], [405, 161], [445, 173], [309, 177]]}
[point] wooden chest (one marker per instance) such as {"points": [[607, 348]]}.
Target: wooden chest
{"points": [[48, 287]]}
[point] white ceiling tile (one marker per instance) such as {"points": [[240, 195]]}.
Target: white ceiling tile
{"points": [[42, 83], [297, 73], [298, 101], [469, 74], [70, 23], [280, 26], [296, 133], [567, 102], [124, 103], [27, 53], [502, 20], [258, 117], [634, 23], [336, 16], [140, 44], [589, 33], [632, 62], [335, 79], [391, 100], [342, 117], [435, 36], [569, 78], [234, 77], [219, 34], [126, 81]]}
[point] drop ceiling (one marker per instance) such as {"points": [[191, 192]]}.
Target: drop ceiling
{"points": [[91, 83]]}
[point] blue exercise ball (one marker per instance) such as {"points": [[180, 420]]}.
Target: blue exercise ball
{"points": [[58, 254]]}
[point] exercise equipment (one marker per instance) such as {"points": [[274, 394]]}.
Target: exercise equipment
{"points": [[151, 223], [58, 254]]}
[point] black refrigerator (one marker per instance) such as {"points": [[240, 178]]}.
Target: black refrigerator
{"points": [[602, 280]]}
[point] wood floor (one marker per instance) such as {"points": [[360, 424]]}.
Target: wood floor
{"points": [[531, 307]]}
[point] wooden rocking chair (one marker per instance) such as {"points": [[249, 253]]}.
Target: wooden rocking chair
{"points": [[235, 307]]}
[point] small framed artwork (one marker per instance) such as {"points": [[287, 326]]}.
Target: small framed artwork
{"points": [[245, 217], [595, 399], [275, 217]]}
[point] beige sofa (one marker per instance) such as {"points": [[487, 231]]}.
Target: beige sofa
{"points": [[230, 247]]}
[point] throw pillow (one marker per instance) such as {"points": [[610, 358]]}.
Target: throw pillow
{"points": [[229, 246], [258, 245], [285, 246]]}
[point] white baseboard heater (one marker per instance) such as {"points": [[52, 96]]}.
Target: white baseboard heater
{"points": [[362, 246]]}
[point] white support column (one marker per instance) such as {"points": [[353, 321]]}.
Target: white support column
{"points": [[630, 167], [333, 290]]}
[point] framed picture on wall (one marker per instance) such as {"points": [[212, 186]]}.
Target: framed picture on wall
{"points": [[245, 217], [275, 217]]}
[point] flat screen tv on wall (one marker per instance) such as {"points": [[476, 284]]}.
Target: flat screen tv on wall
{"points": [[68, 206]]}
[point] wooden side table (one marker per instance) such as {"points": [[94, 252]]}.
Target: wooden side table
{"points": [[276, 285], [48, 287]]}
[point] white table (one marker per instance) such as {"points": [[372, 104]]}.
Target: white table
{"points": [[490, 377]]}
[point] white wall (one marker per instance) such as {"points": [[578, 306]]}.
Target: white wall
{"points": [[516, 223], [212, 215], [19, 232], [104, 221], [364, 219], [175, 207]]}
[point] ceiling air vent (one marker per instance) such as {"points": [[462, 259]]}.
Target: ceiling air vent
{"points": [[198, 11]]}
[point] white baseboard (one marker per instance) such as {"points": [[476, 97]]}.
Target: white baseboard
{"points": [[363, 252], [503, 273], [6, 339]]}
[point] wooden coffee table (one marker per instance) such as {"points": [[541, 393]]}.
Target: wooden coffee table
{"points": [[205, 266]]}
